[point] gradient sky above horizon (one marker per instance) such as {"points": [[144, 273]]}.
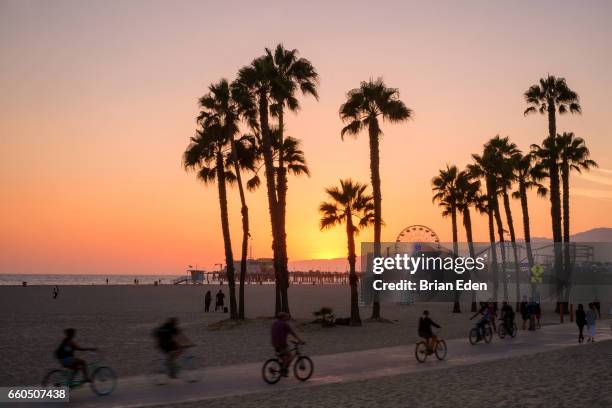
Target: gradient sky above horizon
{"points": [[98, 100]]}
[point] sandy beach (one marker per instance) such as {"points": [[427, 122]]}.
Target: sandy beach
{"points": [[119, 320]]}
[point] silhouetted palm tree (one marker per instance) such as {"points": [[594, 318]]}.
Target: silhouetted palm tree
{"points": [[446, 194], [348, 201], [486, 166], [292, 73], [223, 107], [550, 96], [364, 107], [575, 156], [505, 150], [255, 83], [527, 176], [207, 154], [468, 195]]}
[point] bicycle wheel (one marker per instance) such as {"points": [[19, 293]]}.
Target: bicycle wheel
{"points": [[473, 337], [271, 371], [103, 380], [303, 368], [420, 351], [54, 378], [441, 350], [488, 334], [188, 369], [501, 331], [159, 374]]}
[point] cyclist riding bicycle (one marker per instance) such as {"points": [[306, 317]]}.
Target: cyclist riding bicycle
{"points": [[65, 354], [426, 332], [281, 330], [172, 341], [484, 320], [507, 315]]}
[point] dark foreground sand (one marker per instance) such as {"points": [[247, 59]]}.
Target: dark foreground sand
{"points": [[119, 320], [574, 377]]}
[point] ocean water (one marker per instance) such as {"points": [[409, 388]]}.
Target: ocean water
{"points": [[84, 279]]}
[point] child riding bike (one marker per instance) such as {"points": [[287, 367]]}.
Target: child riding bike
{"points": [[281, 330], [425, 330]]}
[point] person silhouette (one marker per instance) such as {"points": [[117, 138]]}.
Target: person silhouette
{"points": [[55, 291], [207, 300], [220, 300]]}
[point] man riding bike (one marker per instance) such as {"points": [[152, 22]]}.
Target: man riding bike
{"points": [[65, 354], [172, 342], [507, 315], [281, 330], [484, 320], [425, 330]]}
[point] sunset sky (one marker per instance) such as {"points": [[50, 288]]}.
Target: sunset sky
{"points": [[98, 101]]}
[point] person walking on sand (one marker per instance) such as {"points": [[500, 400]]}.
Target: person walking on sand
{"points": [[591, 317], [580, 322], [207, 300], [220, 303], [55, 291]]}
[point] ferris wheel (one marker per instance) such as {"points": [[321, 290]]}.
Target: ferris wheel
{"points": [[419, 234]]}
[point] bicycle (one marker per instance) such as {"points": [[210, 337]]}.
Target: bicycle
{"points": [[421, 351], [502, 331], [184, 368], [475, 336], [103, 378], [303, 367]]}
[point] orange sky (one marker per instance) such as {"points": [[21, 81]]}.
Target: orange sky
{"points": [[98, 101]]}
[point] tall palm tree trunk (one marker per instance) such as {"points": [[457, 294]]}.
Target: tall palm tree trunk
{"points": [[281, 194], [517, 265], [467, 223], [229, 258], [555, 201], [500, 233], [375, 176], [456, 303], [244, 211], [526, 229], [494, 271], [272, 199], [565, 175], [352, 259]]}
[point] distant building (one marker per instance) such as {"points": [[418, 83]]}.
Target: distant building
{"points": [[257, 266]]}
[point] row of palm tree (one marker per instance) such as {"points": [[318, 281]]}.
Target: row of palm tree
{"points": [[502, 166]]}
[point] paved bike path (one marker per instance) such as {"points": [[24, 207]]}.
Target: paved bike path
{"points": [[333, 368]]}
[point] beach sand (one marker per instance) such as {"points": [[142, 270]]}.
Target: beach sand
{"points": [[572, 377], [119, 320]]}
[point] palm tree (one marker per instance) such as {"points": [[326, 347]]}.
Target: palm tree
{"points": [[222, 107], [207, 154], [363, 109], [290, 74], [574, 155], [527, 176], [254, 83], [486, 166], [505, 150], [550, 96], [348, 201], [446, 194], [468, 195]]}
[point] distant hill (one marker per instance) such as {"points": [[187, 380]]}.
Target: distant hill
{"points": [[341, 264], [602, 234]]}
